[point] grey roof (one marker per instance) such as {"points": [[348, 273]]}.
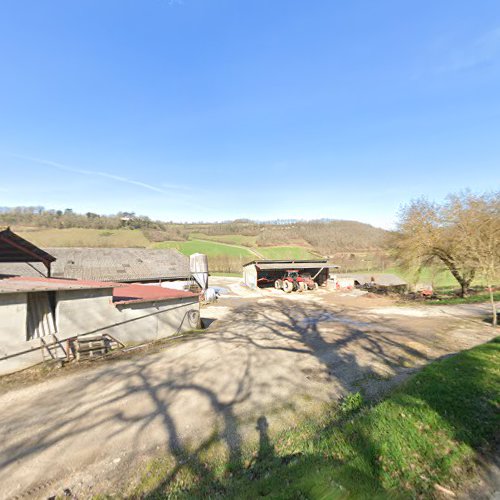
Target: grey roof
{"points": [[285, 262], [296, 265], [382, 279], [109, 264]]}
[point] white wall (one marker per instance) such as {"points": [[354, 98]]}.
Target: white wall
{"points": [[250, 276], [13, 319], [82, 312]]}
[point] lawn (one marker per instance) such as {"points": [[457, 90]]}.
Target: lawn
{"points": [[210, 248], [83, 237], [286, 252], [418, 442]]}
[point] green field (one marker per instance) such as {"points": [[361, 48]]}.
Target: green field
{"points": [[442, 279], [210, 248], [231, 239], [83, 237], [420, 441], [286, 253]]}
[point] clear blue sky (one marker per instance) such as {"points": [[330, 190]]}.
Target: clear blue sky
{"points": [[216, 109]]}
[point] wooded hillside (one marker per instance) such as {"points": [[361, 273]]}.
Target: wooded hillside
{"points": [[323, 237]]}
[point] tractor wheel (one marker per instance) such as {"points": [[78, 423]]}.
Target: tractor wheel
{"points": [[278, 284], [315, 286], [303, 286], [287, 286]]}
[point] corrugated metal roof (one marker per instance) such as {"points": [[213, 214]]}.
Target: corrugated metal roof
{"points": [[109, 264], [23, 284], [129, 294], [277, 261], [296, 265], [13, 248]]}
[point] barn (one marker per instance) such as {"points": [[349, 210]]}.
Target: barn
{"points": [[262, 273], [39, 315]]}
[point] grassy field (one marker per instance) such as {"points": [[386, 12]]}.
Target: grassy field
{"points": [[210, 248], [82, 237], [418, 442], [286, 253], [231, 239]]}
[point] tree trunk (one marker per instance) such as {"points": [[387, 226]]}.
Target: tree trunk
{"points": [[464, 279], [494, 321]]}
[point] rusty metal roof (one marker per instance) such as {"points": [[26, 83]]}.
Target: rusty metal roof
{"points": [[132, 294], [23, 284]]}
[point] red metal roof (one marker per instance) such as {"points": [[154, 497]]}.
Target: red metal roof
{"points": [[143, 293], [33, 284]]}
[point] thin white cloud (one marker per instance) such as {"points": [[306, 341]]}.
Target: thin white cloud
{"points": [[169, 189], [82, 171], [482, 50]]}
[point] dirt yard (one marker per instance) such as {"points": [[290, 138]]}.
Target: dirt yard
{"points": [[265, 353]]}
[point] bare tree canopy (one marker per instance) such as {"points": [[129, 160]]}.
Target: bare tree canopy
{"points": [[462, 233]]}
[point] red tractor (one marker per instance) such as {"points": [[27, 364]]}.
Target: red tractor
{"points": [[294, 281]]}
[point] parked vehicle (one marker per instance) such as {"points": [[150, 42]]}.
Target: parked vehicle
{"points": [[294, 281]]}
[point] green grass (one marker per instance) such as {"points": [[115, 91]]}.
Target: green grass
{"points": [[471, 299], [286, 252], [426, 433], [83, 237], [211, 249], [231, 239]]}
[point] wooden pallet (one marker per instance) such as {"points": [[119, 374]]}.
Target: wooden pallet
{"points": [[88, 347]]}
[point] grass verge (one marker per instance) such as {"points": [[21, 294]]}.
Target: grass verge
{"points": [[418, 442], [471, 299]]}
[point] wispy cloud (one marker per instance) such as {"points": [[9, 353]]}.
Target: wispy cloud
{"points": [[480, 51], [95, 173], [170, 189]]}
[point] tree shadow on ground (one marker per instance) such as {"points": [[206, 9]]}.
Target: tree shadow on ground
{"points": [[97, 406], [433, 426]]}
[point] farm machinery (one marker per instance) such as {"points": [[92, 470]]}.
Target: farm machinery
{"points": [[294, 281]]}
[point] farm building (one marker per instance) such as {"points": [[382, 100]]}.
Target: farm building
{"points": [[389, 282], [38, 316], [107, 264], [18, 253], [261, 273]]}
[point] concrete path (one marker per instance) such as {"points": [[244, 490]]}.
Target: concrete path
{"points": [[91, 431]]}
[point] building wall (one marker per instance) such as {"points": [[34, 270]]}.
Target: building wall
{"points": [[13, 334], [250, 276], [80, 312]]}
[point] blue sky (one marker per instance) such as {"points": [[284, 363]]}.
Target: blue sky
{"points": [[195, 110]]}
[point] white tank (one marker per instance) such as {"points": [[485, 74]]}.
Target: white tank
{"points": [[198, 266]]}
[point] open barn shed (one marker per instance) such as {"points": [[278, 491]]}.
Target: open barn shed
{"points": [[16, 251], [262, 273]]}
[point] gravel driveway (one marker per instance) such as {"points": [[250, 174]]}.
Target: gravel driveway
{"points": [[277, 356]]}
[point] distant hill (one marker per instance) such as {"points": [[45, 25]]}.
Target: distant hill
{"points": [[229, 244]]}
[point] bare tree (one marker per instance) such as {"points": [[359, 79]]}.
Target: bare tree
{"points": [[425, 235], [477, 219]]}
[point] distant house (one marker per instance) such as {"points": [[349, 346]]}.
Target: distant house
{"points": [[107, 264]]}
